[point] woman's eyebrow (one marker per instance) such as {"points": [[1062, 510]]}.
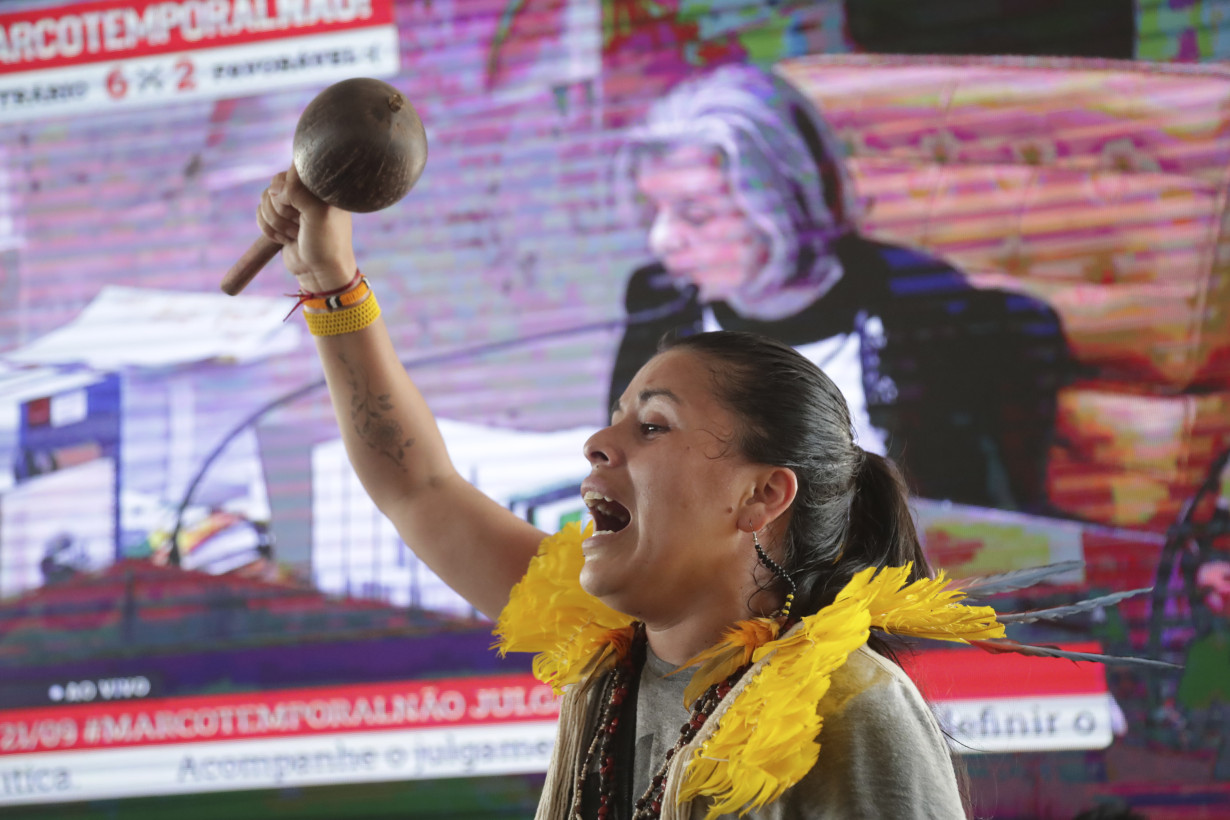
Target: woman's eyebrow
{"points": [[647, 395]]}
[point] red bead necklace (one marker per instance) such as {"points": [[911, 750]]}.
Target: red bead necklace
{"points": [[649, 805]]}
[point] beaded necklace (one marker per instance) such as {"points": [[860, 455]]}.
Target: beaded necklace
{"points": [[649, 805], [614, 695]]}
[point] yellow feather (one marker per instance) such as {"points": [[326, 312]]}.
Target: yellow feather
{"points": [[766, 740], [548, 613], [922, 609], [720, 661]]}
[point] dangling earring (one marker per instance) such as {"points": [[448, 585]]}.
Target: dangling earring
{"points": [[776, 569]]}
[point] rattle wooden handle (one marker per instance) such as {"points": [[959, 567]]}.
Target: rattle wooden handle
{"points": [[250, 264]]}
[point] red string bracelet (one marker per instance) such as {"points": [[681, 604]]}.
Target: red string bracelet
{"points": [[304, 295]]}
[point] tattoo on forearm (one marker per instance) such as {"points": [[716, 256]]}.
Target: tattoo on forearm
{"points": [[371, 415]]}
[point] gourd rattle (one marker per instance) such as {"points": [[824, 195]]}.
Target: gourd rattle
{"points": [[359, 146]]}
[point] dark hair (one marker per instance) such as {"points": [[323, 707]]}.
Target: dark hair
{"points": [[851, 511]]}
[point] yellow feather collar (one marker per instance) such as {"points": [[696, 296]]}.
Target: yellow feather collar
{"points": [[766, 739]]}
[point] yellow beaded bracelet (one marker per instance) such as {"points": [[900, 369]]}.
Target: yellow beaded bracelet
{"points": [[347, 320]]}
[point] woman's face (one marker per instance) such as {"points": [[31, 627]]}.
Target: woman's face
{"points": [[667, 487], [699, 232]]}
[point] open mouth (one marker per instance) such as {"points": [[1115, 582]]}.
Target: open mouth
{"points": [[609, 515]]}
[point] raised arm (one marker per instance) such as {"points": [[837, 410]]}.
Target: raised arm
{"points": [[476, 546]]}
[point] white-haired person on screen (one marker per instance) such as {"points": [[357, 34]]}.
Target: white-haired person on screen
{"points": [[752, 219]]}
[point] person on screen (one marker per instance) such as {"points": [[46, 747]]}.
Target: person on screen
{"points": [[752, 219], [739, 536]]}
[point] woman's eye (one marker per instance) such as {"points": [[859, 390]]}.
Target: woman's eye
{"points": [[697, 219]]}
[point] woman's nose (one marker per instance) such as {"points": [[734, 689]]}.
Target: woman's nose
{"points": [[663, 233], [599, 448]]}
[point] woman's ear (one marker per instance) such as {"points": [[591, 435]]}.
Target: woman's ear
{"points": [[776, 488]]}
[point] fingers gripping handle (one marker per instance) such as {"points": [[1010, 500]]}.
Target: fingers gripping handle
{"points": [[244, 271]]}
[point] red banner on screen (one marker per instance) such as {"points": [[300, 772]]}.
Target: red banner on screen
{"points": [[952, 674], [453, 702], [119, 30]]}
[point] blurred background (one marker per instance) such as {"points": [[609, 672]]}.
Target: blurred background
{"points": [[201, 613]]}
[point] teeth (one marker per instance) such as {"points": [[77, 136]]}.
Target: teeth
{"points": [[597, 501], [605, 506]]}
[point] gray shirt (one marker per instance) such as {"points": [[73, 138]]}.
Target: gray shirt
{"points": [[882, 754]]}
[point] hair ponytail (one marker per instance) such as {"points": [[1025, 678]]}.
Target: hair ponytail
{"points": [[881, 531]]}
